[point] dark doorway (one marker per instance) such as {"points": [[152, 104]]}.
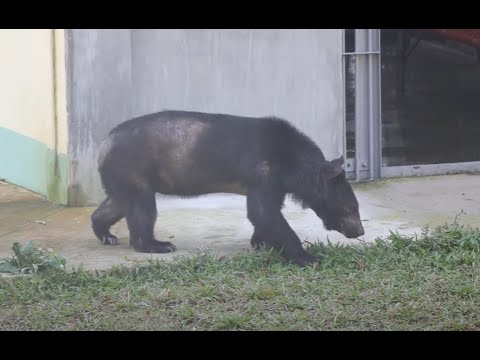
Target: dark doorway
{"points": [[430, 98]]}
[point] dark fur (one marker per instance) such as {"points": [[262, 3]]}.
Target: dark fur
{"points": [[191, 153]]}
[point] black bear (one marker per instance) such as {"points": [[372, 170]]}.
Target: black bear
{"points": [[189, 153]]}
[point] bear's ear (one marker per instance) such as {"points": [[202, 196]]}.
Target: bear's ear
{"points": [[331, 169]]}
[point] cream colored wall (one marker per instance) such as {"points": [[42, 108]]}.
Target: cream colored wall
{"points": [[33, 112], [27, 104], [61, 91]]}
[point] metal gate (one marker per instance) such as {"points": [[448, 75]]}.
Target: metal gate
{"points": [[365, 164], [363, 114]]}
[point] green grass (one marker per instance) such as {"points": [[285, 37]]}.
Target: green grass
{"points": [[400, 283]]}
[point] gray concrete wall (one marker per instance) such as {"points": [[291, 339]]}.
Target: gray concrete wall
{"points": [[294, 74], [99, 96]]}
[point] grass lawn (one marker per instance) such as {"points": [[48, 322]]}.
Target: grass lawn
{"points": [[431, 282]]}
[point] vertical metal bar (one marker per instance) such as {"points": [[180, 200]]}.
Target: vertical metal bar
{"points": [[376, 149], [361, 104], [367, 105], [367, 52], [357, 118], [356, 110], [379, 85], [344, 89], [370, 107]]}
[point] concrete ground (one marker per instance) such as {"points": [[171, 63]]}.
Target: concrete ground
{"points": [[219, 222]]}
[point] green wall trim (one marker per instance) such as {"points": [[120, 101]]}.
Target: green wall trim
{"points": [[31, 164], [57, 178]]}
